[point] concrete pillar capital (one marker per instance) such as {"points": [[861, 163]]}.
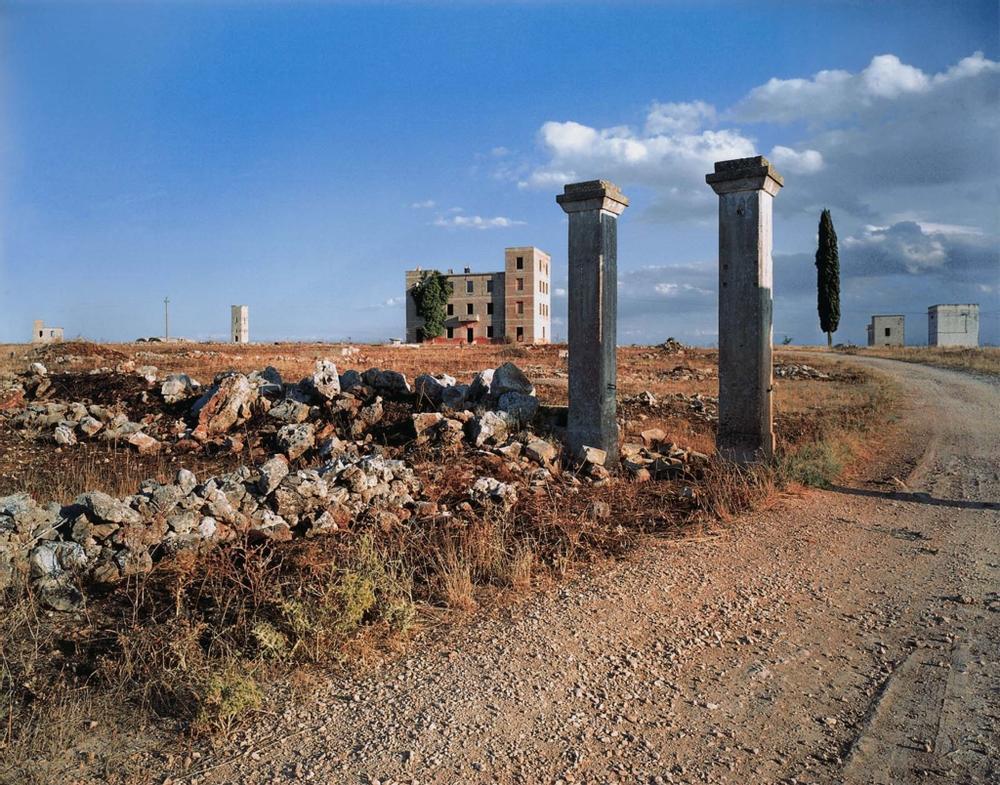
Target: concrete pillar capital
{"points": [[592, 195], [745, 174]]}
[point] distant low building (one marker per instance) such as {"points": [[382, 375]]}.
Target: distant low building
{"points": [[240, 323], [887, 330], [953, 325], [42, 334], [512, 305]]}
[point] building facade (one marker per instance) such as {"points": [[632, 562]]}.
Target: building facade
{"points": [[513, 305], [239, 318], [887, 330], [42, 334], [953, 325]]}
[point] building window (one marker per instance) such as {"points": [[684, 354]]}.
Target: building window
{"points": [[519, 263], [543, 331], [489, 331], [520, 306], [468, 309], [451, 309], [520, 333], [469, 287], [451, 332], [489, 285], [489, 308], [888, 332], [520, 284]]}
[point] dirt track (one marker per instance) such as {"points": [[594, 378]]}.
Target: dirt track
{"points": [[850, 635]]}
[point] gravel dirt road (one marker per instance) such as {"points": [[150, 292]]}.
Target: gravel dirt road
{"points": [[843, 636]]}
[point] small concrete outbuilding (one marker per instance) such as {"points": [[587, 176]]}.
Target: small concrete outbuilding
{"points": [[953, 325], [887, 330], [42, 334]]}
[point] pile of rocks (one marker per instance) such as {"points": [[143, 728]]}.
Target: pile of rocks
{"points": [[702, 407], [799, 371], [684, 373], [658, 459], [672, 346], [99, 539]]}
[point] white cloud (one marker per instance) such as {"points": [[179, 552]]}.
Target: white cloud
{"points": [[423, 205], [831, 94], [499, 152], [476, 222], [790, 161], [684, 118], [905, 158], [392, 302]]}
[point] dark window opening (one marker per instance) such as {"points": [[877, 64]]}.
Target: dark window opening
{"points": [[469, 335], [520, 333], [489, 307], [468, 309], [519, 264], [451, 332], [888, 332], [469, 287], [489, 331], [451, 309], [489, 284]]}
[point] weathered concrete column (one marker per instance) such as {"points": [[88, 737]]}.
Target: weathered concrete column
{"points": [[593, 209], [746, 188]]}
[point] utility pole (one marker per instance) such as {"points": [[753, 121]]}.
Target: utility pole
{"points": [[166, 318]]}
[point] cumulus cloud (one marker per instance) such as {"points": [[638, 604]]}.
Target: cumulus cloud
{"points": [[794, 161], [910, 247], [836, 93], [905, 158], [476, 222]]}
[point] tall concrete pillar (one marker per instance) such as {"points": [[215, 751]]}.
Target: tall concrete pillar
{"points": [[746, 189], [593, 208]]}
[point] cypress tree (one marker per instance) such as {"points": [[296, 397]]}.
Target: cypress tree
{"points": [[828, 277], [431, 296]]}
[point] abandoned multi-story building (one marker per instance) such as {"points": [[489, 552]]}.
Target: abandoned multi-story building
{"points": [[511, 305], [953, 325], [239, 318], [887, 330], [42, 334]]}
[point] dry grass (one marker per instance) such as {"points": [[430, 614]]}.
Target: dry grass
{"points": [[201, 640], [983, 359]]}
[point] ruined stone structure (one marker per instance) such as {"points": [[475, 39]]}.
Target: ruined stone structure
{"points": [[746, 189], [239, 330], [887, 330], [42, 334], [512, 305], [953, 325], [593, 208]]}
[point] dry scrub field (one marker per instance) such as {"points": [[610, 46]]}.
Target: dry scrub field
{"points": [[201, 638], [983, 359]]}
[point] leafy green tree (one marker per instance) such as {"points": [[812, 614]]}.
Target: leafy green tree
{"points": [[431, 295], [828, 277]]}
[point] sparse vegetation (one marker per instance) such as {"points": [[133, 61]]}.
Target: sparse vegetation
{"points": [[981, 359], [200, 642]]}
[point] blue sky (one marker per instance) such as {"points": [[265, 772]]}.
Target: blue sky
{"points": [[300, 157]]}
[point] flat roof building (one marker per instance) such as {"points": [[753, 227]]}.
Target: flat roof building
{"points": [[953, 325], [887, 330], [42, 334], [510, 305]]}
